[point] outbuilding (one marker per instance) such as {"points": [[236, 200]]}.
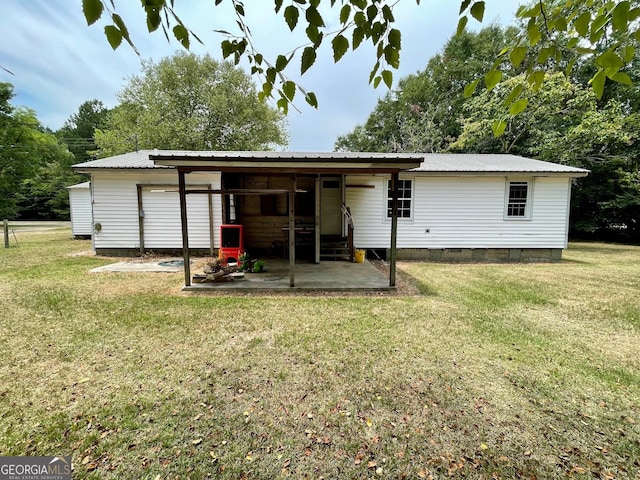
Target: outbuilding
{"points": [[80, 209]]}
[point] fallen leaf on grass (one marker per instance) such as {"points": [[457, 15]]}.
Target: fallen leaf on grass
{"points": [[197, 441]]}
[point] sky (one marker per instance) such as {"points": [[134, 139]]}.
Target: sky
{"points": [[58, 62]]}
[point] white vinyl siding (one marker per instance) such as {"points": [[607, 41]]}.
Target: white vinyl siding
{"points": [[80, 206], [460, 212], [115, 208]]}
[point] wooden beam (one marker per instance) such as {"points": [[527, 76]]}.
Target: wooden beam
{"points": [[185, 230], [394, 228], [292, 230]]}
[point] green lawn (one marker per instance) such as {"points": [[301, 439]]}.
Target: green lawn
{"points": [[503, 371]]}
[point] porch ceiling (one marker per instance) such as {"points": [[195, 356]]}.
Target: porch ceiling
{"points": [[289, 162]]}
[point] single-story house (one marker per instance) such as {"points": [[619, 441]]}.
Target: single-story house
{"points": [[449, 206], [80, 209]]}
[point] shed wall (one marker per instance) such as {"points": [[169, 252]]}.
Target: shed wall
{"points": [[80, 206], [460, 212]]}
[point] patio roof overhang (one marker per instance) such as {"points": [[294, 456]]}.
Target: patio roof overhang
{"points": [[291, 164]]}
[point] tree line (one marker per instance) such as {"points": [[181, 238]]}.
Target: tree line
{"points": [[181, 102], [563, 122]]}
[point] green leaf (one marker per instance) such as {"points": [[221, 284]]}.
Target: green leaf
{"points": [[227, 48], [464, 5], [314, 17], [622, 77], [597, 29], [314, 35], [358, 36], [376, 81], [153, 20], [581, 24], [281, 63], [627, 53], [498, 127], [278, 5], [597, 83], [289, 89], [308, 59], [372, 12], [345, 13], [395, 38], [92, 10], [117, 20], [561, 24], [373, 72], [620, 16], [311, 99], [387, 14], [535, 79], [492, 78], [283, 104], [182, 35], [533, 32], [461, 24], [517, 56], [470, 88], [518, 106], [477, 11], [543, 56], [340, 46], [515, 93], [114, 36], [387, 76], [291, 15], [392, 56], [609, 60]]}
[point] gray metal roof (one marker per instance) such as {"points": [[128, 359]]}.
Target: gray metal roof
{"points": [[476, 163], [139, 159], [432, 163]]}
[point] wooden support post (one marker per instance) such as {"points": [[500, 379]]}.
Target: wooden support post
{"points": [[5, 228], [140, 219], [292, 229], [211, 229], [185, 231], [394, 228], [318, 212]]}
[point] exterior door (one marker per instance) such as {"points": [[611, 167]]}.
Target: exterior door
{"points": [[330, 201]]}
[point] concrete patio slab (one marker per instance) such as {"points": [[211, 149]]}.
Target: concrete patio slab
{"points": [[331, 276], [140, 266]]}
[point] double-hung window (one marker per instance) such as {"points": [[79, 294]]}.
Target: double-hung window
{"points": [[518, 200], [405, 193]]}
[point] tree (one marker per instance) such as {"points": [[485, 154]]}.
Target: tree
{"points": [[78, 130], [582, 24], [27, 152], [565, 123], [422, 114], [192, 103]]}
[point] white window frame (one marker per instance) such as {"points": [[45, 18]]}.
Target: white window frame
{"points": [[412, 200], [528, 206]]}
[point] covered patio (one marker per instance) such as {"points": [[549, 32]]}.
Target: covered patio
{"points": [[292, 165]]}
